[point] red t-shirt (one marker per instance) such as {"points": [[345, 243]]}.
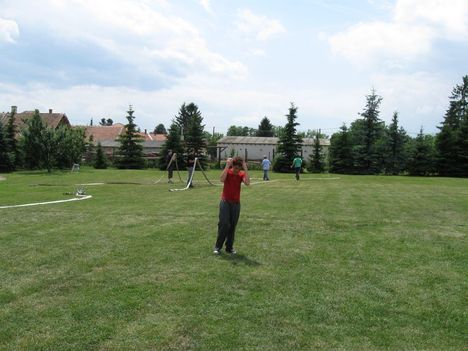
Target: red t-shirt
{"points": [[232, 186]]}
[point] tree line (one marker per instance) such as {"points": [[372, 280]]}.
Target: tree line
{"points": [[369, 146]]}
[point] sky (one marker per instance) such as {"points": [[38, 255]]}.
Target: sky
{"points": [[238, 61]]}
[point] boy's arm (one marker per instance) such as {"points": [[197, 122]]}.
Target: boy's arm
{"points": [[223, 176], [246, 174]]}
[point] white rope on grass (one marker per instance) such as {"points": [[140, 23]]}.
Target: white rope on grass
{"points": [[191, 177], [78, 198]]}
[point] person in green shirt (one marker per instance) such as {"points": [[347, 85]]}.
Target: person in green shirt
{"points": [[297, 163]]}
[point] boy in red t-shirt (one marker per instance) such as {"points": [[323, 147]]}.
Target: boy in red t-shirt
{"points": [[229, 207]]}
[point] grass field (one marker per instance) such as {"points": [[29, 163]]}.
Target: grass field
{"points": [[354, 263]]}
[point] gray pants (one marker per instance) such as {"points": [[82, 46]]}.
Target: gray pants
{"points": [[228, 217]]}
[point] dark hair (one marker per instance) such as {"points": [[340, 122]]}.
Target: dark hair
{"points": [[237, 161]]}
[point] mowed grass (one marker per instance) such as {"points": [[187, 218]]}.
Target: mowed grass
{"points": [[358, 262]]}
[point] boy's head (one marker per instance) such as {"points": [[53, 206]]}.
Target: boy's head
{"points": [[237, 164]]}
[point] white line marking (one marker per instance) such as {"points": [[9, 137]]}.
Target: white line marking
{"points": [[49, 202]]}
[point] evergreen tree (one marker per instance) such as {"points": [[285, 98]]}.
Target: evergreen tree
{"points": [[421, 160], [340, 153], [101, 159], [49, 148], [6, 157], [394, 157], [365, 153], [173, 143], [183, 119], [130, 150], [240, 131], [195, 142], [13, 147], [448, 141], [289, 144], [265, 128], [160, 129], [32, 145], [463, 149], [316, 159]]}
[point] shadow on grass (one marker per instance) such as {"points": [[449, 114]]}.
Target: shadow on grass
{"points": [[239, 259]]}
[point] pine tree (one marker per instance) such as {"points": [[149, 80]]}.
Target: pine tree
{"points": [[394, 157], [265, 128], [340, 152], [195, 142], [101, 160], [173, 143], [6, 157], [463, 149], [366, 157], [448, 142], [316, 159], [421, 160], [182, 120], [289, 144], [32, 145], [12, 142], [131, 150]]}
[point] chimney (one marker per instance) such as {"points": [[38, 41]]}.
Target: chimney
{"points": [[145, 132], [14, 109], [50, 110]]}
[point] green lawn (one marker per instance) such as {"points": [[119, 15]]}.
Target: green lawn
{"points": [[359, 262]]}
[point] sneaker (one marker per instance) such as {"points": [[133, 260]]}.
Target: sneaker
{"points": [[216, 251], [232, 252]]}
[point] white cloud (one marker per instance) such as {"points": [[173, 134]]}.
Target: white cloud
{"points": [[207, 6], [138, 32], [262, 27], [410, 34], [8, 30]]}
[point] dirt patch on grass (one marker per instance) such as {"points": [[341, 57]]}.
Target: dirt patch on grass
{"points": [[2, 178]]}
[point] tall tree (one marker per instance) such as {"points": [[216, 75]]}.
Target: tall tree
{"points": [[340, 152], [289, 144], [183, 119], [173, 143], [195, 142], [6, 157], [316, 159], [366, 157], [160, 129], [32, 145], [49, 148], [265, 128], [13, 147], [394, 157], [130, 150], [463, 149], [448, 141], [421, 160]]}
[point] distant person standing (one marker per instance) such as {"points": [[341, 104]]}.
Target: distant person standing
{"points": [[232, 176], [266, 164], [190, 164], [170, 160], [297, 164]]}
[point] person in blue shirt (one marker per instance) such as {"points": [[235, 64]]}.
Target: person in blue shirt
{"points": [[266, 164]]}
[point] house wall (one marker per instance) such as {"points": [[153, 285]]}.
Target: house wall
{"points": [[256, 152]]}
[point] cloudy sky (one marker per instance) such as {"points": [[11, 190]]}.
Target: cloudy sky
{"points": [[237, 60]]}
